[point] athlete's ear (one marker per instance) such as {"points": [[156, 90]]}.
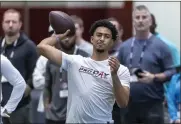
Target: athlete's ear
{"points": [[92, 39]]}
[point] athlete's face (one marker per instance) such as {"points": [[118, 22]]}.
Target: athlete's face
{"points": [[102, 39]]}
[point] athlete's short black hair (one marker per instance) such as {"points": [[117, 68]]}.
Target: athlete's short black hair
{"points": [[104, 23]]}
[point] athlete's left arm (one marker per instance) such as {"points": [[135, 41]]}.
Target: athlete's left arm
{"points": [[121, 92], [120, 82]]}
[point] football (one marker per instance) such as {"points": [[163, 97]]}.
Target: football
{"points": [[61, 22]]}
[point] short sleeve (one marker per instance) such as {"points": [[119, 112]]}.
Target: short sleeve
{"points": [[67, 60], [124, 76], [167, 60]]}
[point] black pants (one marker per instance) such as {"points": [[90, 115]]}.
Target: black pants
{"points": [[20, 116], [5, 120], [118, 114], [54, 122], [145, 113]]}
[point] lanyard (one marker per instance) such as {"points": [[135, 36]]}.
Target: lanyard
{"points": [[64, 76], [131, 53], [3, 46]]}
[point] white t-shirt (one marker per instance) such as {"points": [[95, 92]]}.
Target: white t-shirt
{"points": [[90, 89], [12, 75]]}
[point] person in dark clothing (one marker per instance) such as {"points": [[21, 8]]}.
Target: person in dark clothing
{"points": [[175, 56], [21, 51], [115, 48], [117, 111], [56, 87], [149, 60]]}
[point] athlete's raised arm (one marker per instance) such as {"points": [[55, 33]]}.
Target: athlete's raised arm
{"points": [[47, 49]]}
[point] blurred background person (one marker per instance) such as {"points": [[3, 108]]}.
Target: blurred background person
{"points": [[175, 56], [151, 59], [115, 48], [116, 113], [173, 99], [21, 51], [80, 42], [173, 49], [37, 114], [56, 84]]}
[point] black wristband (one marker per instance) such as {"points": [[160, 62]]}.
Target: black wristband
{"points": [[155, 79]]}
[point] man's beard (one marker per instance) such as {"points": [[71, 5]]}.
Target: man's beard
{"points": [[100, 50], [65, 47], [11, 33]]}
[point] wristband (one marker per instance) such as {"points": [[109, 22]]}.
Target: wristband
{"points": [[155, 79], [57, 38]]}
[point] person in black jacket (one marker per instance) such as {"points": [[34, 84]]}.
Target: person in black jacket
{"points": [[21, 51]]}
